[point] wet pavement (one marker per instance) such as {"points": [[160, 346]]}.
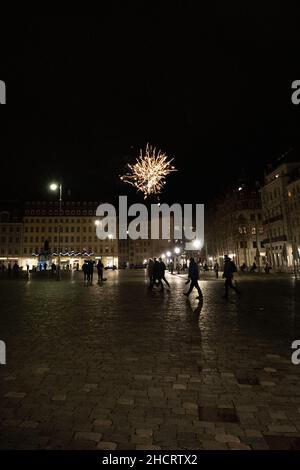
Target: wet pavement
{"points": [[120, 367]]}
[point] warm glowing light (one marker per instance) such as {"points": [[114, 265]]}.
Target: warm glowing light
{"points": [[163, 256], [53, 187], [177, 251], [149, 173], [197, 244], [168, 254], [97, 222]]}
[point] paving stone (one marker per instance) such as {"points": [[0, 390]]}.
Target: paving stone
{"points": [[107, 445], [88, 436], [227, 438]]}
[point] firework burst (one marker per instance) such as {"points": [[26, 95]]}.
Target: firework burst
{"points": [[149, 173]]}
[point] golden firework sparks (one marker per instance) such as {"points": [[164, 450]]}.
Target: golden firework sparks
{"points": [[149, 173]]}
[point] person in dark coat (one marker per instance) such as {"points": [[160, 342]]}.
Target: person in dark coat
{"points": [[161, 271], [193, 278], [100, 267], [156, 276], [229, 270], [85, 271]]}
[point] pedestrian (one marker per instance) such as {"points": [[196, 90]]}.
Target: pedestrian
{"points": [[243, 267], [193, 278], [253, 268], [16, 269], [150, 271], [229, 270], [156, 277], [90, 271], [216, 269], [172, 266], [161, 271], [100, 267], [85, 271]]}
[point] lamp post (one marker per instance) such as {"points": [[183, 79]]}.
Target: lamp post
{"points": [[177, 251], [55, 187]]}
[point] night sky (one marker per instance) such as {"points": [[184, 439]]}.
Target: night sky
{"points": [[212, 89]]}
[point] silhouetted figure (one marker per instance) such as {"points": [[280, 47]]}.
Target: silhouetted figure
{"points": [[150, 268], [216, 269], [100, 267], [205, 267], [193, 278], [90, 272], [161, 270], [156, 277], [171, 267], [267, 268], [229, 270], [9, 269], [16, 269], [85, 271], [243, 267], [253, 268], [77, 267]]}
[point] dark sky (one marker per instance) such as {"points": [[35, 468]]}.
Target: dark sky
{"points": [[212, 89]]}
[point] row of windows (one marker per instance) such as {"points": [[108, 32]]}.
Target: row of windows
{"points": [[62, 212], [244, 244], [44, 220], [62, 229], [10, 239], [244, 230], [65, 239], [9, 251], [10, 229], [76, 249]]}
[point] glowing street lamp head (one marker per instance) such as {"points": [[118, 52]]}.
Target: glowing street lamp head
{"points": [[168, 254], [177, 251], [97, 222], [197, 244], [54, 187], [163, 256]]}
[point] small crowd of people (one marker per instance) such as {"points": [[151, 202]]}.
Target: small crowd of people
{"points": [[156, 273], [88, 271]]}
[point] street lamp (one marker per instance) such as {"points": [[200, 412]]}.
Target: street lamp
{"points": [[55, 187], [177, 251]]}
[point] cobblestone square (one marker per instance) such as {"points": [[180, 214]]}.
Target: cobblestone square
{"points": [[120, 367]]}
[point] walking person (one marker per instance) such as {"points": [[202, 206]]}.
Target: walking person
{"points": [[193, 278], [216, 269], [156, 276], [90, 271], [162, 270], [100, 267], [150, 268], [229, 270], [85, 271]]}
